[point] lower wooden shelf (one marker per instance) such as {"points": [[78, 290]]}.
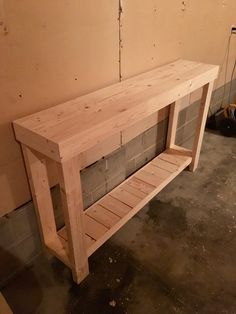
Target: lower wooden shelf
{"points": [[111, 212]]}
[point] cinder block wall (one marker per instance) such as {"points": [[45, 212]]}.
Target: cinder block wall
{"points": [[19, 234], [107, 173]]}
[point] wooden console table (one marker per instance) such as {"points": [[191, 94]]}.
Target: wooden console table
{"points": [[79, 132]]}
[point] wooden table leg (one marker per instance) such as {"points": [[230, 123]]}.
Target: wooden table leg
{"points": [[72, 202], [40, 190], [172, 124], [4, 307], [203, 111]]}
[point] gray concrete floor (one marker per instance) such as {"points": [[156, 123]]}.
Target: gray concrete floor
{"points": [[178, 255]]}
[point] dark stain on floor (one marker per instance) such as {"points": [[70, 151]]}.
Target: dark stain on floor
{"points": [[106, 290], [178, 255], [167, 218]]}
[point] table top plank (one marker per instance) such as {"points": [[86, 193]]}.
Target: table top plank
{"points": [[77, 125]]}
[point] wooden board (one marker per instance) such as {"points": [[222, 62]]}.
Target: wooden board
{"points": [[114, 205], [113, 210], [103, 215], [72, 207], [4, 307], [76, 126]]}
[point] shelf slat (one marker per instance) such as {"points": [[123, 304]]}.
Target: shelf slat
{"points": [[164, 165], [140, 185], [112, 211], [102, 215], [148, 178], [134, 190], [156, 171], [62, 235], [114, 205], [93, 228], [125, 197]]}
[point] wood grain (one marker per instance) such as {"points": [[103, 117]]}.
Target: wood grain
{"points": [[72, 128], [72, 204]]}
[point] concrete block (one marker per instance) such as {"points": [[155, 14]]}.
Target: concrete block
{"points": [[15, 259], [98, 192], [149, 154], [218, 93], [186, 132], [28, 249], [150, 137], [130, 167], [155, 134], [6, 233], [215, 107], [114, 181], [162, 128], [88, 200], [24, 222], [188, 113], [234, 84], [161, 146], [223, 91], [188, 143], [9, 265], [145, 157], [115, 164], [134, 147], [93, 176]]}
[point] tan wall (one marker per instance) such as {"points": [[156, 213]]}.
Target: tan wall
{"points": [[155, 32], [51, 51]]}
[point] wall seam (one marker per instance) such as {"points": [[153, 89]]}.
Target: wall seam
{"points": [[120, 38]]}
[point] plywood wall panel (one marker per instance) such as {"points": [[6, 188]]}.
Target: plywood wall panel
{"points": [[150, 35], [51, 51], [155, 32]]}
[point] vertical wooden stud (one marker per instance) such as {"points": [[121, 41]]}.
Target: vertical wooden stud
{"points": [[72, 202], [40, 190], [203, 110], [172, 125]]}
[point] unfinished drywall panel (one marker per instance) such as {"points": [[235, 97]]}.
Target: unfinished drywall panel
{"points": [[206, 33], [150, 34], [51, 51], [155, 32], [3, 28]]}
